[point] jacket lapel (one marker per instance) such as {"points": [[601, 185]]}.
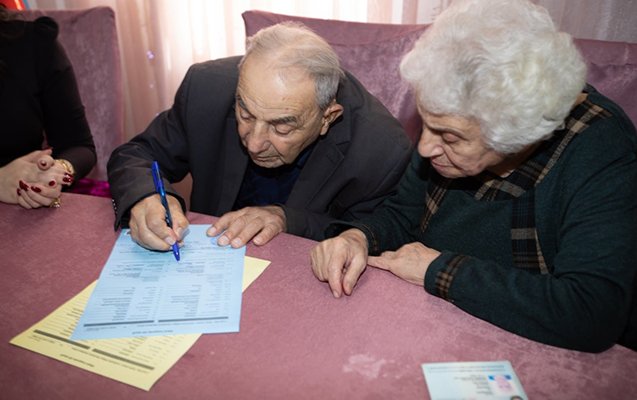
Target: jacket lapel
{"points": [[234, 167], [321, 165]]}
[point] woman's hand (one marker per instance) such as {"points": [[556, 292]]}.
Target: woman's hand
{"points": [[410, 262], [340, 261], [34, 180]]}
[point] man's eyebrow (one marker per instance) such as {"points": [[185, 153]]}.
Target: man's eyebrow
{"points": [[287, 120], [284, 120], [242, 104]]}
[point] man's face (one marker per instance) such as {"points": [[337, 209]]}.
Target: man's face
{"points": [[276, 112]]}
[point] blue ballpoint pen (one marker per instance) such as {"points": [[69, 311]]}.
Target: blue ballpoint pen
{"points": [[159, 188]]}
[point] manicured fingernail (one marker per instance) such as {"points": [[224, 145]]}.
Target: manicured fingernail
{"points": [[51, 183], [169, 240], [36, 189], [18, 191], [223, 241], [236, 242], [212, 230], [24, 186], [67, 179], [335, 294]]}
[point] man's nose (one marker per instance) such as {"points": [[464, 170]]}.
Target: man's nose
{"points": [[257, 140]]}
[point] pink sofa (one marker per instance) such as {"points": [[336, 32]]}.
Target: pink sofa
{"points": [[372, 52], [90, 40]]}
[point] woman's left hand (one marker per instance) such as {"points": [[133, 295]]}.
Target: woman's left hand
{"points": [[410, 262], [34, 180]]}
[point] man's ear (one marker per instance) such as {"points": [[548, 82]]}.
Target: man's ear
{"points": [[331, 113]]}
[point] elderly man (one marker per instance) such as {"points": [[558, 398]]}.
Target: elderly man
{"points": [[279, 140]]}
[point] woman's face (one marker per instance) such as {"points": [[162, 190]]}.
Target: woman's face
{"points": [[455, 147]]}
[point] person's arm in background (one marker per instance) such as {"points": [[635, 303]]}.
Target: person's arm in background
{"points": [[67, 130], [48, 102]]}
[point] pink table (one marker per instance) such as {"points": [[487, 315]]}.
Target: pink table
{"points": [[296, 341]]}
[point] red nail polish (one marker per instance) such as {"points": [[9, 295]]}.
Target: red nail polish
{"points": [[52, 183], [24, 186], [18, 191], [67, 179], [36, 189]]}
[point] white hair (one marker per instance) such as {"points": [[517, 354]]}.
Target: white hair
{"points": [[501, 62], [292, 44]]}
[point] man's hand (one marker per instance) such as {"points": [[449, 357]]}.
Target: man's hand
{"points": [[340, 261], [259, 224], [148, 223], [410, 262]]}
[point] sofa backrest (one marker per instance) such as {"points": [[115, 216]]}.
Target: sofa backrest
{"points": [[89, 38], [372, 52], [612, 69]]}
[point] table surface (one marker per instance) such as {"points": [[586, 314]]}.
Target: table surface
{"points": [[295, 341]]}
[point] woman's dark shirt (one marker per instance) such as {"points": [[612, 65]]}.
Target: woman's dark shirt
{"points": [[40, 104]]}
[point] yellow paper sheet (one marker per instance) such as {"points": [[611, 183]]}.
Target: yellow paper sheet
{"points": [[136, 361]]}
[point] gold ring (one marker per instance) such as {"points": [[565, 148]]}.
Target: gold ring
{"points": [[55, 203]]}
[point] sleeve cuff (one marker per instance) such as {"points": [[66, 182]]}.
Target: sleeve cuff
{"points": [[440, 275]]}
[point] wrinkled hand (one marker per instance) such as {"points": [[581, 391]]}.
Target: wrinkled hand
{"points": [[410, 262], [259, 224], [340, 261], [33, 180], [148, 223]]}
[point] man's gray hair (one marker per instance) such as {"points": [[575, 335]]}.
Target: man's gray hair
{"points": [[291, 44], [501, 62]]}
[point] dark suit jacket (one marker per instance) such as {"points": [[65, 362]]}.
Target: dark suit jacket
{"points": [[352, 169]]}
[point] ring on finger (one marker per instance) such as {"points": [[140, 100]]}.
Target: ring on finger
{"points": [[56, 203]]}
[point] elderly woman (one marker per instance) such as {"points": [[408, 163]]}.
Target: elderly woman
{"points": [[521, 204]]}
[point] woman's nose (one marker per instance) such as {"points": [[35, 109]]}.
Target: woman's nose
{"points": [[429, 145]]}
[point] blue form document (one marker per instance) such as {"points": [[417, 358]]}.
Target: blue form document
{"points": [[147, 293]]}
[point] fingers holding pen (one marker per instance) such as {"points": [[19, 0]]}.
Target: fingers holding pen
{"points": [[180, 222], [148, 223]]}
